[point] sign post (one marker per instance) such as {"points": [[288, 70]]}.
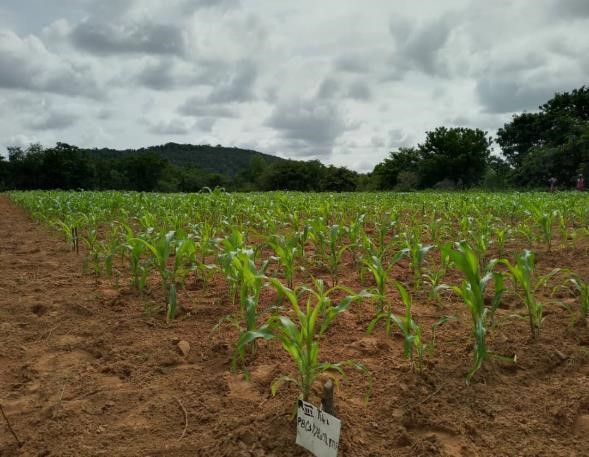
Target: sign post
{"points": [[317, 431]]}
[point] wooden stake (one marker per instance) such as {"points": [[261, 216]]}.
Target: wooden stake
{"points": [[327, 403]]}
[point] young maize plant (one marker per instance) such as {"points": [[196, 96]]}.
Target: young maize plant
{"points": [[545, 220], [301, 339], [335, 252], [286, 253], [582, 289], [69, 227], [136, 250], [161, 250], [301, 237], [383, 228], [563, 229], [526, 231], [317, 231], [480, 241], [502, 234], [436, 228], [112, 245], [523, 274], [204, 236], [356, 233], [232, 244], [251, 280], [417, 253], [95, 248], [466, 223], [380, 275], [472, 291], [435, 277], [409, 329]]}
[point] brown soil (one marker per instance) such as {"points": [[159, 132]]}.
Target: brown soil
{"points": [[84, 372]]}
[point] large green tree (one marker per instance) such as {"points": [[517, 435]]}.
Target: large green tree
{"points": [[386, 173], [550, 142], [66, 167], [458, 154]]}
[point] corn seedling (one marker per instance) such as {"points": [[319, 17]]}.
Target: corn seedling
{"points": [[545, 220], [417, 252], [472, 291], [409, 329], [251, 280], [286, 253], [380, 275], [161, 250], [526, 231], [335, 252], [301, 338], [434, 280], [582, 290], [355, 234], [523, 274], [501, 236]]}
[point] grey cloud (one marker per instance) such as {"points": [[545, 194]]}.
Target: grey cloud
{"points": [[26, 64], [139, 38], [398, 138], [505, 94], [352, 63], [515, 63], [236, 87], [206, 124], [417, 47], [105, 114], [54, 121], [190, 6], [158, 76], [328, 88], [168, 72], [359, 90], [377, 142], [459, 121], [570, 8], [172, 127], [197, 108], [309, 127], [108, 9]]}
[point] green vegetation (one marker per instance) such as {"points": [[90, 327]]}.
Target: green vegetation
{"points": [[472, 291], [370, 247]]}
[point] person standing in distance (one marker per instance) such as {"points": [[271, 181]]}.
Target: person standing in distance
{"points": [[580, 183]]}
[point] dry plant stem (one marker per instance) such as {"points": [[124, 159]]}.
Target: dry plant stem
{"points": [[48, 335], [185, 417], [19, 442], [59, 404]]}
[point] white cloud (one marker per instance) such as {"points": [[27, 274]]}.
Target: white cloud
{"points": [[345, 82]]}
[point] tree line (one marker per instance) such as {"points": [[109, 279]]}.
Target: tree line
{"points": [[69, 167], [534, 147]]}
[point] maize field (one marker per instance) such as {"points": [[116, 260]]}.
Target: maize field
{"points": [[452, 323]]}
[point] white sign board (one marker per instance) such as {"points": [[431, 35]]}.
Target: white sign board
{"points": [[317, 431]]}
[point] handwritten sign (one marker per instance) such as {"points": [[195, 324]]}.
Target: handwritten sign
{"points": [[317, 431]]}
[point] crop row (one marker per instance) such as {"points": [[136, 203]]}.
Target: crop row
{"points": [[303, 245]]}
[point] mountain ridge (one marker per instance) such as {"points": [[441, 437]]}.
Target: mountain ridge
{"points": [[228, 161]]}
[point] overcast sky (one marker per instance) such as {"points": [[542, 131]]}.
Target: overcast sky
{"points": [[338, 80]]}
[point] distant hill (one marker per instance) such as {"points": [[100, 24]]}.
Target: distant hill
{"points": [[213, 159]]}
